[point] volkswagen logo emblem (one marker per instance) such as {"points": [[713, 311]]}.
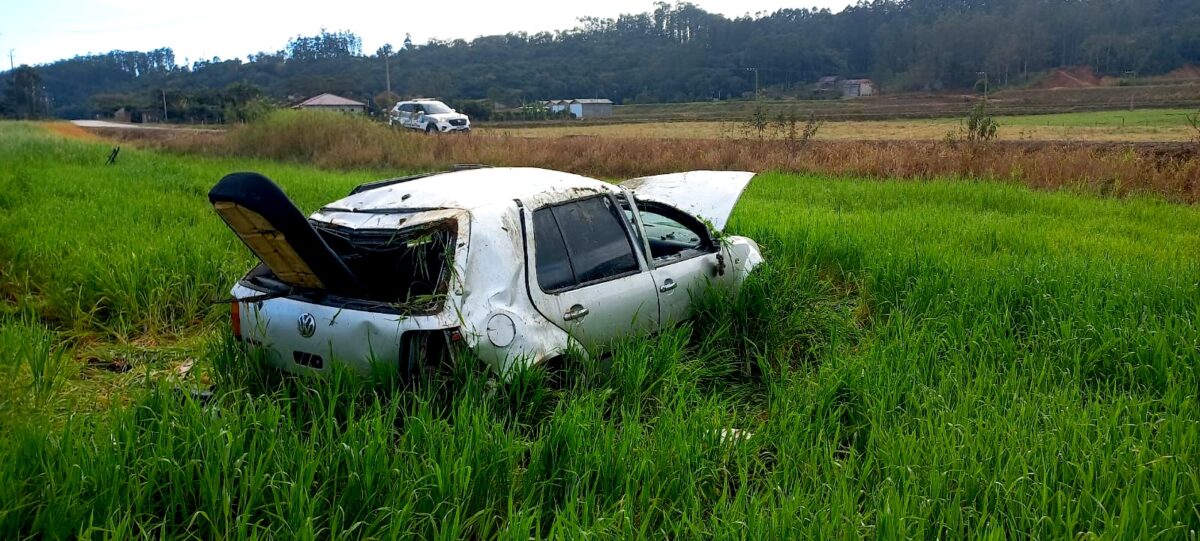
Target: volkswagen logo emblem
{"points": [[307, 325]]}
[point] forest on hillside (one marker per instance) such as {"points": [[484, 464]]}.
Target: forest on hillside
{"points": [[673, 52]]}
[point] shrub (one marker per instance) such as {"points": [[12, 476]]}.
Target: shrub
{"points": [[1193, 120], [980, 126]]}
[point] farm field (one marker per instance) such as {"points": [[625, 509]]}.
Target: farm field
{"points": [[942, 358], [1142, 125], [1013, 102]]}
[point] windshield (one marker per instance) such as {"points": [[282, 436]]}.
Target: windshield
{"points": [[434, 107]]}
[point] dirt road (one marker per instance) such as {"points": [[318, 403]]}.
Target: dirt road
{"points": [[105, 124]]}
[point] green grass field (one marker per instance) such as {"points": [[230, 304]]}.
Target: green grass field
{"points": [[933, 359]]}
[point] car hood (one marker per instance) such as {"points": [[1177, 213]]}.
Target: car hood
{"points": [[444, 117], [711, 195]]}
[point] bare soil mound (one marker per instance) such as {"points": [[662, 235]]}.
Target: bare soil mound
{"points": [[1076, 77], [1189, 71]]}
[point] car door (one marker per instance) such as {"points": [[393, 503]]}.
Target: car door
{"points": [[418, 117], [406, 115], [685, 259], [587, 274], [708, 194]]}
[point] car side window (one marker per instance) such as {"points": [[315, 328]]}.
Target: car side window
{"points": [[553, 264], [407, 108], [597, 245], [671, 234]]}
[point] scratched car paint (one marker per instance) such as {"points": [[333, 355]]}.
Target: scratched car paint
{"points": [[517, 264]]}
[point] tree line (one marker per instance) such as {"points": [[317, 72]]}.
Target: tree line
{"points": [[673, 52]]}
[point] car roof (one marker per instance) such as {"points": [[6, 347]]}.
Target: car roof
{"points": [[471, 189]]}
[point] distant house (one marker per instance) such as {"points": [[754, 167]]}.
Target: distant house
{"points": [[853, 88], [848, 88], [556, 106], [829, 82], [147, 115], [590, 108], [330, 102]]}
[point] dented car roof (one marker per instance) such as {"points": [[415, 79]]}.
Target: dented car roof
{"points": [[468, 189]]}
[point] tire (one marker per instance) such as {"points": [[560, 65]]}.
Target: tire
{"points": [[430, 129], [424, 353]]}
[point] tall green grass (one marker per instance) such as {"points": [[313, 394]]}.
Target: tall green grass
{"points": [[918, 359], [128, 250]]}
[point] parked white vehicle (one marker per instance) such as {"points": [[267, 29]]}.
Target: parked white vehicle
{"points": [[429, 116], [516, 264]]}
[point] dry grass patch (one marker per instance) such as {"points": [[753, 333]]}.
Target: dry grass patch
{"points": [[66, 129], [1121, 126], [344, 143]]}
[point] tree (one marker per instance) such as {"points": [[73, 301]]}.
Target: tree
{"points": [[385, 52], [324, 45], [386, 100], [677, 51], [24, 95]]}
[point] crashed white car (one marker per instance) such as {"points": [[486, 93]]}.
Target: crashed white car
{"points": [[518, 265], [429, 116]]}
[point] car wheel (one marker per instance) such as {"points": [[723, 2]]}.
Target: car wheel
{"points": [[425, 353], [430, 129]]}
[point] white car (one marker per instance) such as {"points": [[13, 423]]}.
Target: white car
{"points": [[518, 265], [429, 116]]}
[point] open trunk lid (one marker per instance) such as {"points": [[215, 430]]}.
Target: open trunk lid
{"points": [[277, 232], [710, 195]]}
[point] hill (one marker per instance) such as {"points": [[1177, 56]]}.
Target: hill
{"points": [[672, 53]]}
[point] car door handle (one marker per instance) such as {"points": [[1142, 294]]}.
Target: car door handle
{"points": [[576, 312], [668, 285]]}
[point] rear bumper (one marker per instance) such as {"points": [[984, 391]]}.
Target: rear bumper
{"points": [[304, 337]]}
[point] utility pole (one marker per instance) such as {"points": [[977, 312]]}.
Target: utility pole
{"points": [[755, 70], [11, 67], [985, 84], [1130, 75], [164, 95], [387, 69]]}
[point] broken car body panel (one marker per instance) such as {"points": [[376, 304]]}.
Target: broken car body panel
{"points": [[491, 295], [710, 195]]}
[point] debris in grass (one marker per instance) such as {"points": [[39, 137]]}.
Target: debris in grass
{"points": [[117, 364], [185, 368], [733, 435], [202, 397]]}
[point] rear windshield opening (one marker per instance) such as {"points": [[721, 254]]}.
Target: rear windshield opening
{"points": [[406, 270]]}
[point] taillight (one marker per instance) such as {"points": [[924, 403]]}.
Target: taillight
{"points": [[235, 317], [456, 335]]}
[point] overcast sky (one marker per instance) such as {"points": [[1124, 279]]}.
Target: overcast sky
{"points": [[41, 31]]}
